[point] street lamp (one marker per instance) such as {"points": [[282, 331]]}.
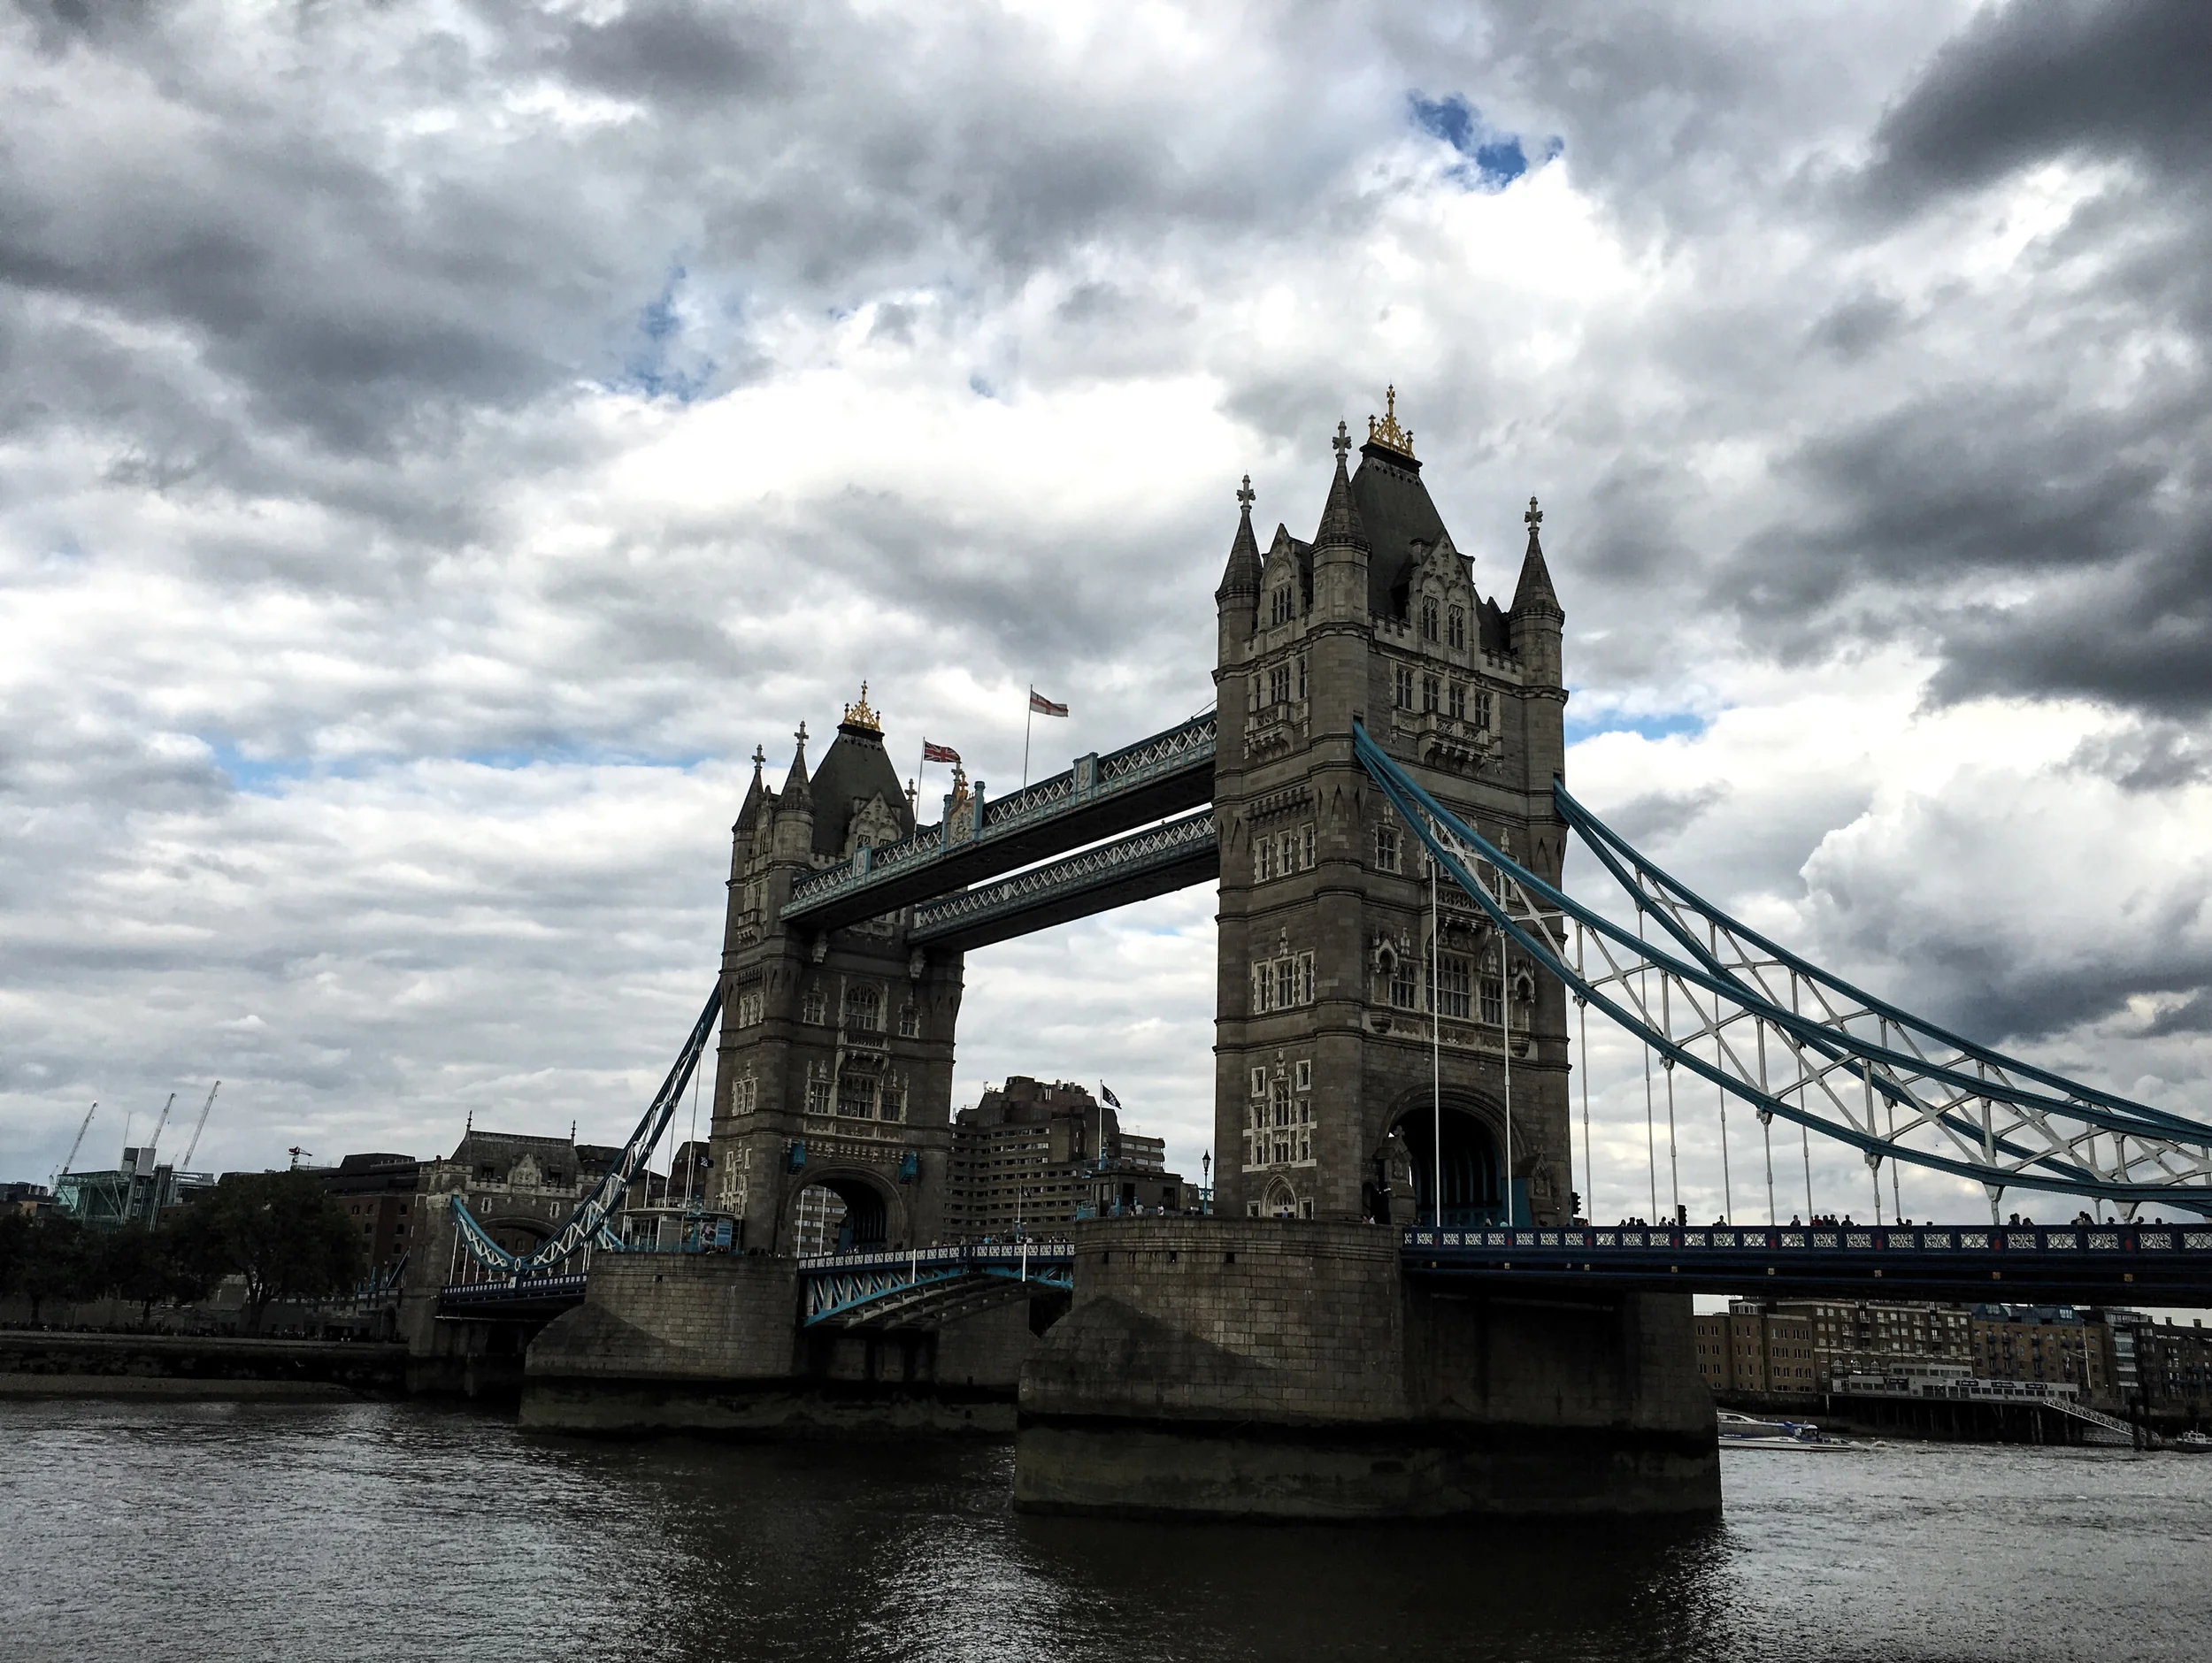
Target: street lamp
{"points": [[1206, 1182]]}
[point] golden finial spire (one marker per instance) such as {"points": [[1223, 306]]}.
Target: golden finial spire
{"points": [[1386, 432], [858, 714]]}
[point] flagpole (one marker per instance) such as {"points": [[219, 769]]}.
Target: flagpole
{"points": [[1029, 720]]}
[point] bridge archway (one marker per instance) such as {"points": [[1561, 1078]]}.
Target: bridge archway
{"points": [[842, 1211], [1470, 1164], [517, 1233]]}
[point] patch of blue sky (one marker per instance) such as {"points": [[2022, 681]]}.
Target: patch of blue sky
{"points": [[1492, 160], [1656, 724], [665, 360], [262, 776]]}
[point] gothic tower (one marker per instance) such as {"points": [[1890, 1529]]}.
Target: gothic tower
{"points": [[1327, 1010], [834, 1068]]}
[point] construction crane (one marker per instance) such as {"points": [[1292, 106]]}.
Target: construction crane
{"points": [[202, 1127], [83, 1126], [153, 1144]]}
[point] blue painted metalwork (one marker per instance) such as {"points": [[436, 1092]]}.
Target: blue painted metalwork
{"points": [[2045, 1141], [589, 1222], [1184, 749], [1175, 843], [838, 1286], [2070, 1263]]}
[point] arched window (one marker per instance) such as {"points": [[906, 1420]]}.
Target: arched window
{"points": [[1278, 608], [1457, 628], [864, 1009], [1428, 620], [1282, 1200]]}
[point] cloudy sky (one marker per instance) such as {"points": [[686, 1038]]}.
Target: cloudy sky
{"points": [[438, 442]]}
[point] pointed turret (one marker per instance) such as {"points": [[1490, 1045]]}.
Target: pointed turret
{"points": [[1240, 578], [1534, 593], [1339, 547], [1534, 624], [758, 799], [1341, 526], [795, 808]]}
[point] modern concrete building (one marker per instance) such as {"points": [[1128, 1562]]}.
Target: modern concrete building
{"points": [[1036, 1155]]}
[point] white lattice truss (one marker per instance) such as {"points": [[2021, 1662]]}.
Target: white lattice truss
{"points": [[1711, 996]]}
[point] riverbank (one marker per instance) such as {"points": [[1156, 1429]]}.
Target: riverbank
{"points": [[51, 1363]]}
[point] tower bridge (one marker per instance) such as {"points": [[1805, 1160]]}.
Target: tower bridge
{"points": [[1392, 1308]]}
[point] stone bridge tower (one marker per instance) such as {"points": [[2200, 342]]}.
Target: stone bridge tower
{"points": [[1326, 1006], [834, 1066]]}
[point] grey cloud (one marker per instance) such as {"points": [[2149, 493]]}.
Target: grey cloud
{"points": [[2027, 83]]}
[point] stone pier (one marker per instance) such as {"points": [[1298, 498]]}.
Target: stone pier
{"points": [[1286, 1368], [711, 1343]]}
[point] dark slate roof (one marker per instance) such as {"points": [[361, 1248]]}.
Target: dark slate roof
{"points": [[756, 794], [1534, 593], [1241, 576], [855, 769], [1400, 522]]}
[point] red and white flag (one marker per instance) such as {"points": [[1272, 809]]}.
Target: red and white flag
{"points": [[933, 753], [1044, 706]]}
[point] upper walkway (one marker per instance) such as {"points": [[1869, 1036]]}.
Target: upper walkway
{"points": [[1099, 796]]}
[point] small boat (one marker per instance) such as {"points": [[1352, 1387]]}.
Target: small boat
{"points": [[2191, 1443], [1745, 1431]]}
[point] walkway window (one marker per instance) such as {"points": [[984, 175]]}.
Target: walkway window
{"points": [[1493, 1003], [1457, 636], [1483, 710], [1428, 620], [1403, 689], [1459, 701], [1452, 979], [1278, 685], [1279, 607], [1432, 692], [864, 1009]]}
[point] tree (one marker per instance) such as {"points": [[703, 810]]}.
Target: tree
{"points": [[278, 1230], [148, 1266], [59, 1263]]}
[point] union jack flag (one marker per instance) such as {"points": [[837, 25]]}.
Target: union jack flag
{"points": [[933, 753]]}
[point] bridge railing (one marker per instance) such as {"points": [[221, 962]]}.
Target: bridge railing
{"points": [[2080, 1239]]}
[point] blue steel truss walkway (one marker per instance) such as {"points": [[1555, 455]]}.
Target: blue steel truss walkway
{"points": [[930, 1286], [1097, 798]]}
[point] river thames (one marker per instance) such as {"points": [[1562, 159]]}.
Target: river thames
{"points": [[380, 1530]]}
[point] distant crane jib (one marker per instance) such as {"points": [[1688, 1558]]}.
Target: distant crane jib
{"points": [[2151, 1128]]}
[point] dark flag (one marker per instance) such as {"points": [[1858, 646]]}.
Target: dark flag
{"points": [[1106, 1092]]}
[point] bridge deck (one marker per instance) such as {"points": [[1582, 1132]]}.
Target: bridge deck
{"points": [[2070, 1264], [1100, 797]]}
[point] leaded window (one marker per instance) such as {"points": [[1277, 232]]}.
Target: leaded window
{"points": [[1387, 857], [1428, 620], [812, 1009], [1402, 691], [1451, 994], [863, 1008], [1459, 701], [1457, 627], [1432, 693], [1279, 607]]}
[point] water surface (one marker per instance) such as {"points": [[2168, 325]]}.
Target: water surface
{"points": [[156, 1531]]}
